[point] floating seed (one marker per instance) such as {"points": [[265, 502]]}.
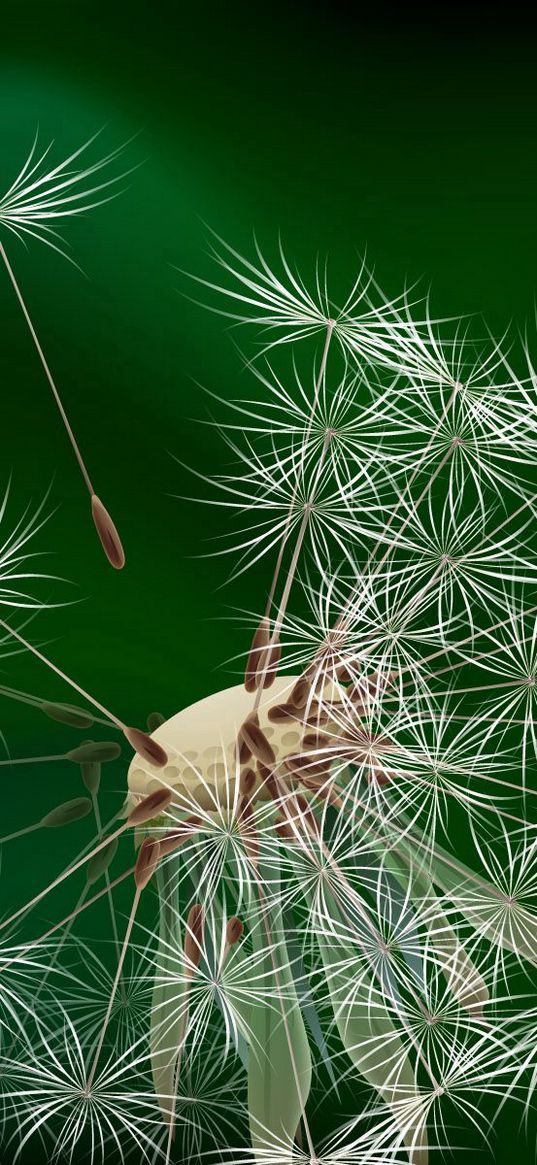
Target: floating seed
{"points": [[68, 714], [110, 540], [154, 721], [151, 806], [100, 863], [98, 751], [67, 813], [146, 746], [271, 666]]}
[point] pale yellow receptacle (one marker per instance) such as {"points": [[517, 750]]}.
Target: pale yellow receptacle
{"points": [[201, 744]]}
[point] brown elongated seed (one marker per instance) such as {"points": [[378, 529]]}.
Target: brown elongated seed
{"points": [[245, 753], [110, 540], [300, 692], [155, 720], [257, 650], [247, 781], [67, 813], [177, 837], [304, 808], [146, 862], [268, 780], [319, 715], [256, 741], [193, 944], [100, 863], [322, 789], [234, 931], [283, 829], [271, 663], [146, 746], [68, 714], [90, 771], [344, 674], [281, 712], [317, 740], [100, 751], [151, 806]]}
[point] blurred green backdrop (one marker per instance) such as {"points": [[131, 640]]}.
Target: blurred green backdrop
{"points": [[415, 143]]}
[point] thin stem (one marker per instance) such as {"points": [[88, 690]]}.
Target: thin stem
{"points": [[71, 916], [20, 832], [270, 943], [66, 874], [126, 940], [53, 667], [47, 371], [99, 824], [285, 535]]}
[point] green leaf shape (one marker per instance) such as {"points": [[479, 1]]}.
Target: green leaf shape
{"points": [[462, 976], [166, 1004], [369, 1035], [506, 924], [307, 1005], [279, 1062]]}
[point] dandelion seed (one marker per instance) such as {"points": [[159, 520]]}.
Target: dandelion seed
{"points": [[68, 714], [67, 813]]}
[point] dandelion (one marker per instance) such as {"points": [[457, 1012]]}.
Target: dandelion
{"points": [[300, 834]]}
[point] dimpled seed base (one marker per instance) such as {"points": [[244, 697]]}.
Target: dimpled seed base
{"points": [[201, 744]]}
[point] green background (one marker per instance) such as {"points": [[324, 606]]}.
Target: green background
{"points": [[414, 142]]}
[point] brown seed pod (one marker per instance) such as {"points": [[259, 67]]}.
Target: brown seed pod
{"points": [[254, 665], [256, 741], [274, 655], [177, 837], [300, 692], [279, 713], [284, 830], [317, 740], [151, 806], [234, 931], [110, 540], [247, 782], [146, 746], [193, 944], [268, 780], [245, 753], [147, 861]]}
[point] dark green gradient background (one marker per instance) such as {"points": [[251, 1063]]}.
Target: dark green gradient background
{"points": [[415, 142]]}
